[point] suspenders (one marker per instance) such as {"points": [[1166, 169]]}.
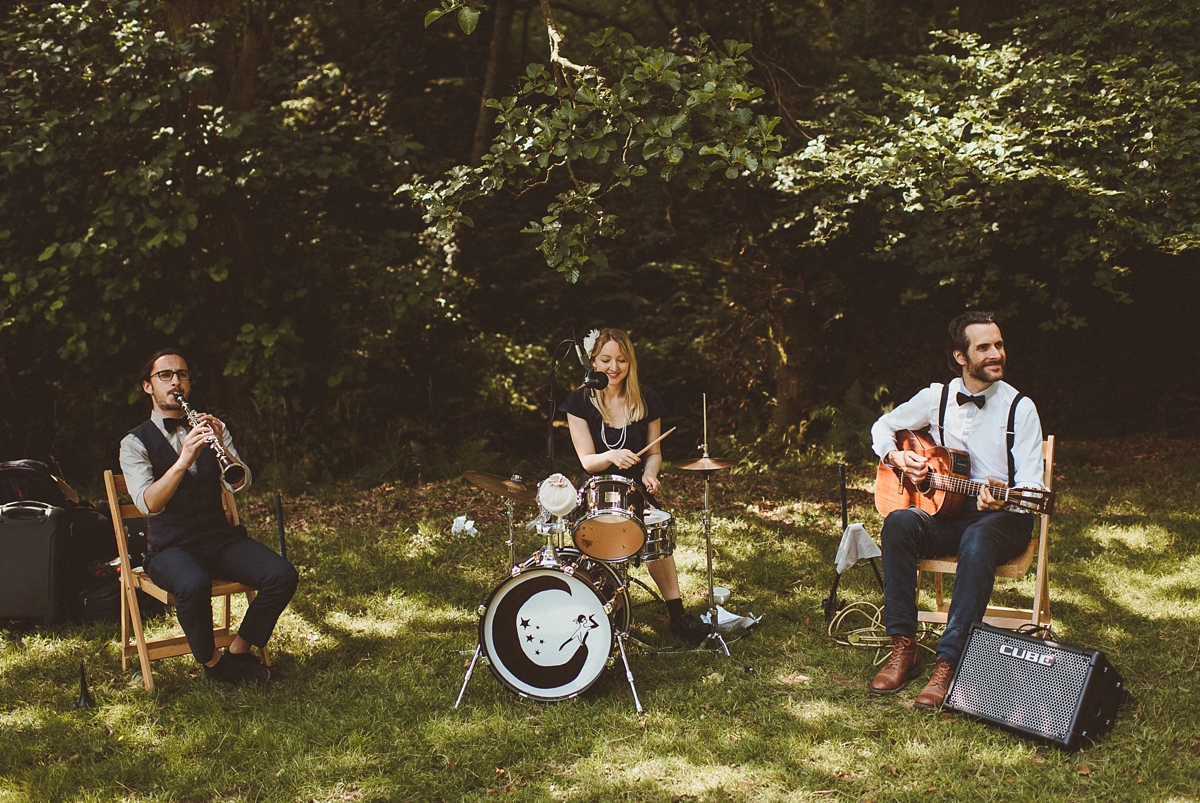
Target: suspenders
{"points": [[942, 413], [1011, 431], [1012, 438]]}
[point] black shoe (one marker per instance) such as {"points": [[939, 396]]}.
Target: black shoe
{"points": [[236, 669], [241, 657], [690, 629]]}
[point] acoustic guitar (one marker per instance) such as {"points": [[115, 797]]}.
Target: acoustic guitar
{"points": [[947, 484]]}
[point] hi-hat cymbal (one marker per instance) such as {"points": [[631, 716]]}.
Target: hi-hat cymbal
{"points": [[704, 464], [517, 490]]}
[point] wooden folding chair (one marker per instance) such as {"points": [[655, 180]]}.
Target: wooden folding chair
{"points": [[998, 616], [134, 579]]}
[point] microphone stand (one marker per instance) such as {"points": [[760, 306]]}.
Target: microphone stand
{"points": [[555, 362]]}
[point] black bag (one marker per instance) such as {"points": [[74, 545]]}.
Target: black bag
{"points": [[29, 480], [101, 602], [92, 546]]}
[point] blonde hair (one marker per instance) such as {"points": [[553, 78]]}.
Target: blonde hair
{"points": [[635, 407]]}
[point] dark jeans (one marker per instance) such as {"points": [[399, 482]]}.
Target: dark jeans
{"points": [[981, 540], [228, 554]]}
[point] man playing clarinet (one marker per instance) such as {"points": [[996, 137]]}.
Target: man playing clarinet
{"points": [[174, 477], [979, 413]]}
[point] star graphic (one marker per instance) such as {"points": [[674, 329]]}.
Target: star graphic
{"points": [[524, 623], [529, 637]]}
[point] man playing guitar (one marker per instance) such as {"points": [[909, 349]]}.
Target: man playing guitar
{"points": [[999, 430]]}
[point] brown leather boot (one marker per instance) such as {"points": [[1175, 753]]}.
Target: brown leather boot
{"points": [[935, 690], [903, 665]]}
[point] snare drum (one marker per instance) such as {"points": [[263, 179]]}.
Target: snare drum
{"points": [[659, 543], [611, 529], [548, 632]]}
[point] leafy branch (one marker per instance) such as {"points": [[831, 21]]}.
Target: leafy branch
{"points": [[687, 117]]}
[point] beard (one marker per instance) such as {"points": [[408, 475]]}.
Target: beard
{"points": [[166, 400], [985, 372]]}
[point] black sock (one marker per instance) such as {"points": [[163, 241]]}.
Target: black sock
{"points": [[675, 608]]}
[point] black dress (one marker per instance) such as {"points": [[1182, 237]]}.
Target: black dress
{"points": [[637, 436]]}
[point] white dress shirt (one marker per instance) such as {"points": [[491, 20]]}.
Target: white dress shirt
{"points": [[980, 432], [139, 471]]}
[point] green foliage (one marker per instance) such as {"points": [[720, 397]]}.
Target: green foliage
{"points": [[138, 209], [225, 183], [850, 422], [1040, 164], [687, 117], [468, 13]]}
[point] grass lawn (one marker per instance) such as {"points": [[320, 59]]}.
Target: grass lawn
{"points": [[372, 653]]}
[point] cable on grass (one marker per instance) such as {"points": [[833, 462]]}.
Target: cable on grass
{"points": [[870, 632]]}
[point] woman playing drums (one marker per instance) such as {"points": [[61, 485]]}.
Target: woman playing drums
{"points": [[608, 428]]}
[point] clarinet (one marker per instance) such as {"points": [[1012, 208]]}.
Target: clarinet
{"points": [[232, 472]]}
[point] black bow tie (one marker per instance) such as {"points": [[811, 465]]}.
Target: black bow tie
{"points": [[169, 424], [978, 401]]}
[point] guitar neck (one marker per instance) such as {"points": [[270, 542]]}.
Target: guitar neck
{"points": [[959, 485]]}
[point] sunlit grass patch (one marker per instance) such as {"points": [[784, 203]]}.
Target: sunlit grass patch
{"points": [[1136, 537]]}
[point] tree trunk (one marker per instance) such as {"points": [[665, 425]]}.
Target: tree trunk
{"points": [[237, 53], [497, 50], [792, 344]]}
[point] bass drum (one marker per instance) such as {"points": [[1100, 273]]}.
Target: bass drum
{"points": [[546, 633]]}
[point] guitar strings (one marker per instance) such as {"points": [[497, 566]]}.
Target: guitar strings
{"points": [[1002, 493]]}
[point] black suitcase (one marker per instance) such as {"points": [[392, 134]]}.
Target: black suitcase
{"points": [[32, 535]]}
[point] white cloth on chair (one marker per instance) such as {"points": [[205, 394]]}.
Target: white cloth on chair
{"points": [[857, 544]]}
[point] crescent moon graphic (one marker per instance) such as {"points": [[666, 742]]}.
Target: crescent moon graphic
{"points": [[508, 640]]}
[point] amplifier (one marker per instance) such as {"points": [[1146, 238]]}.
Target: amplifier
{"points": [[1036, 688]]}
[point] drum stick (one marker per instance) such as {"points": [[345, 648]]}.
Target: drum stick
{"points": [[656, 440]]}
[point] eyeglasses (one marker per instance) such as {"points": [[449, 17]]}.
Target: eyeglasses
{"points": [[166, 376]]}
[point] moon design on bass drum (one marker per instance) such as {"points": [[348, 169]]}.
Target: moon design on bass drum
{"points": [[546, 634]]}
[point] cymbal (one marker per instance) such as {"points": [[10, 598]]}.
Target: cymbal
{"points": [[704, 464], [517, 490]]}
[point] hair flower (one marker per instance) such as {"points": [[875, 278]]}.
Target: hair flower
{"points": [[589, 342]]}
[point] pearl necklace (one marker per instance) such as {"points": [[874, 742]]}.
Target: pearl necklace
{"points": [[620, 441]]}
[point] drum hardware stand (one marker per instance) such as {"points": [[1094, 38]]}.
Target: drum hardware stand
{"points": [[707, 466], [628, 672], [514, 570], [512, 543], [645, 587], [624, 635], [467, 677]]}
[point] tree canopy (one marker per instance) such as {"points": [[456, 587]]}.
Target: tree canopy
{"points": [[370, 223]]}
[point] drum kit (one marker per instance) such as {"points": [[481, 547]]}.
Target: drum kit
{"points": [[562, 616]]}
